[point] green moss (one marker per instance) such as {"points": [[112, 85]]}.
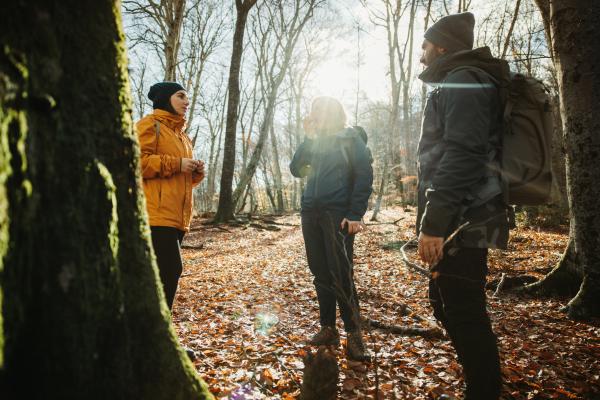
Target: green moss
{"points": [[111, 193], [10, 118]]}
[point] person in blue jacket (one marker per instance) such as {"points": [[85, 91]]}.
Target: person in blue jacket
{"points": [[337, 163]]}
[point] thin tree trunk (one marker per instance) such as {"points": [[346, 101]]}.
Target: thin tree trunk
{"points": [[226, 207], [81, 294], [175, 9], [278, 180], [384, 181], [510, 29]]}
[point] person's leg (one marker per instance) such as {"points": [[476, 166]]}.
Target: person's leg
{"points": [[317, 263], [435, 301], [165, 241], [461, 289], [339, 249]]}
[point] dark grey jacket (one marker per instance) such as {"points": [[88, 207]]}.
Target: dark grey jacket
{"points": [[340, 176], [457, 152]]}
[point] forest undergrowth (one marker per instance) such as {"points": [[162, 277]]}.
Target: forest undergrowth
{"points": [[246, 305]]}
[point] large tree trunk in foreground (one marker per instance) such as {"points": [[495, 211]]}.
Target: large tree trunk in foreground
{"points": [[83, 313], [226, 206], [573, 29]]}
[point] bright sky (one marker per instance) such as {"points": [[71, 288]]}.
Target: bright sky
{"points": [[337, 76]]}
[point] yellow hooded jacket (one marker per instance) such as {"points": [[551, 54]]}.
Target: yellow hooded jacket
{"points": [[168, 191]]}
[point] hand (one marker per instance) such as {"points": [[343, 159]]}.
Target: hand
{"points": [[353, 226], [188, 165], [431, 248], [199, 167], [199, 172], [309, 127]]}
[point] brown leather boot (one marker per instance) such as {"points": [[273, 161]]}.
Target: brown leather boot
{"points": [[355, 347], [327, 336]]}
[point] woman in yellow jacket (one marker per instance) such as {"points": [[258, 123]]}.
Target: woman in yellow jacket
{"points": [[169, 173]]}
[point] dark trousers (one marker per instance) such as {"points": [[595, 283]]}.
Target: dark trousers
{"points": [[457, 296], [329, 252], [167, 244]]}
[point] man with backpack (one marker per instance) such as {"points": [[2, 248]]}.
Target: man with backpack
{"points": [[461, 208]]}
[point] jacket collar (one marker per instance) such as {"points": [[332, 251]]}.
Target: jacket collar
{"points": [[173, 121], [481, 58]]}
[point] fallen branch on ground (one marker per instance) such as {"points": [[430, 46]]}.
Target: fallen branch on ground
{"points": [[428, 333], [189, 246], [409, 263], [385, 223]]}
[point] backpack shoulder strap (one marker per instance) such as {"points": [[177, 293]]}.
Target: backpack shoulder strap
{"points": [[157, 130]]}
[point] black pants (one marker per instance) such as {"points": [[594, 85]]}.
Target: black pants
{"points": [[167, 244], [457, 296], [329, 252]]}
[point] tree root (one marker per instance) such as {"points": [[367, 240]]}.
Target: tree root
{"points": [[586, 304]]}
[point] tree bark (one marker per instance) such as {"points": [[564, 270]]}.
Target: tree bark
{"points": [[225, 209], [83, 312], [277, 176], [574, 34], [174, 21]]}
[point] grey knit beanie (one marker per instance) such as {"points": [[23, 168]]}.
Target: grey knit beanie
{"points": [[453, 32]]}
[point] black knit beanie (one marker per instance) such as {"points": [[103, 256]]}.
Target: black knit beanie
{"points": [[160, 93], [453, 32]]}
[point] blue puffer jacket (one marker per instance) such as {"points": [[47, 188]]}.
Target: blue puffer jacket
{"points": [[340, 176]]}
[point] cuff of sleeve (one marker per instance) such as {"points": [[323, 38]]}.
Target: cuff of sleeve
{"points": [[180, 164], [435, 221], [353, 217]]}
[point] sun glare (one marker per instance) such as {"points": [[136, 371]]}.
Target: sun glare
{"points": [[335, 78]]}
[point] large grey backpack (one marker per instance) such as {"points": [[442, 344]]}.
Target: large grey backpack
{"points": [[526, 143], [525, 159]]}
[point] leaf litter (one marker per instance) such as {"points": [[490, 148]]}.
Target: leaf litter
{"points": [[246, 305]]}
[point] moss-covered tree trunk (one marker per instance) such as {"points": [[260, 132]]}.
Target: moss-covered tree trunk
{"points": [[573, 28], [83, 315]]}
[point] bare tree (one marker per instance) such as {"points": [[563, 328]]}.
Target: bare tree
{"points": [[212, 110], [159, 24], [400, 67], [226, 205], [138, 88], [279, 33], [203, 33]]}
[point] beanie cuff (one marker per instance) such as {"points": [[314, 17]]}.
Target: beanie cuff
{"points": [[449, 43]]}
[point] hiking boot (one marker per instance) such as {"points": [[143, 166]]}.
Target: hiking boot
{"points": [[327, 336], [355, 347]]}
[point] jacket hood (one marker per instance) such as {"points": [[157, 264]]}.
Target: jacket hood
{"points": [[480, 58], [173, 121]]}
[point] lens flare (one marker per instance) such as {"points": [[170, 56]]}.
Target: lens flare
{"points": [[265, 322]]}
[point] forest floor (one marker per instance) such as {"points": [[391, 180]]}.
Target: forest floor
{"points": [[246, 304]]}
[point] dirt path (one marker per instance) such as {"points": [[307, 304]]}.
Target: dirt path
{"points": [[246, 304]]}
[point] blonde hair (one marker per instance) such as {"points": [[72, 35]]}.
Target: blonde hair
{"points": [[328, 114]]}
